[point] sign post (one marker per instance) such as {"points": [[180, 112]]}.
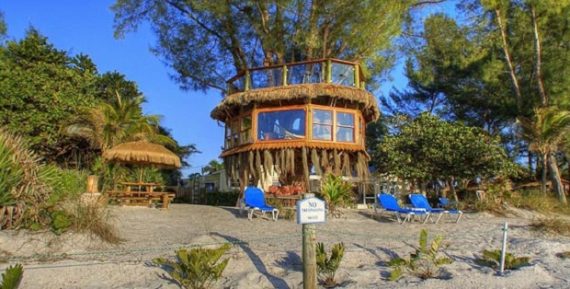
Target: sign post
{"points": [[310, 211]]}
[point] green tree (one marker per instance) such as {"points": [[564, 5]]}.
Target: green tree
{"points": [[3, 26], [120, 121], [222, 37], [212, 167], [41, 88], [545, 132], [429, 148]]}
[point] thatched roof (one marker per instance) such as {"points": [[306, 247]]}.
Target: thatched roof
{"points": [[293, 145], [143, 153], [361, 97]]}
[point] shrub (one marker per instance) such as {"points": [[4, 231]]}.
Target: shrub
{"points": [[196, 268], [21, 176], [493, 259], [60, 222], [552, 226], [222, 198], [424, 263], [328, 265], [12, 277], [94, 219], [336, 192]]}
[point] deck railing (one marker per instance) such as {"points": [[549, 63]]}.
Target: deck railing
{"points": [[314, 71]]}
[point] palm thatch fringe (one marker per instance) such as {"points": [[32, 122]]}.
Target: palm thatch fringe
{"points": [[251, 162], [336, 162], [325, 161], [305, 161], [346, 171], [258, 167], [267, 163], [277, 159], [316, 162]]}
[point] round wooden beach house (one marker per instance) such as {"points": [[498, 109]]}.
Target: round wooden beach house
{"points": [[287, 122]]}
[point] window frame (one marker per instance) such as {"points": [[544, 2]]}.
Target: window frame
{"points": [[337, 126], [331, 125]]}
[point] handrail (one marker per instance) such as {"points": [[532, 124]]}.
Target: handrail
{"points": [[279, 75]]}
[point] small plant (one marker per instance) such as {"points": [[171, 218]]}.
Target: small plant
{"points": [[327, 266], [424, 263], [563, 255], [12, 277], [60, 222], [196, 268], [493, 259], [336, 192]]}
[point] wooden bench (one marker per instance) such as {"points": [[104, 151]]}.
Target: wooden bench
{"points": [[141, 198]]}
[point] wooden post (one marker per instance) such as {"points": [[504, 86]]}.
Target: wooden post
{"points": [[328, 75], [504, 249], [92, 184], [247, 85], [284, 75], [357, 76], [309, 254]]}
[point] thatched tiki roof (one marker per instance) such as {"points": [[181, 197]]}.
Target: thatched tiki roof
{"points": [[142, 153], [317, 92]]}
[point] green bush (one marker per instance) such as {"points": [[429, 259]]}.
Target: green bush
{"points": [[493, 259], [336, 192], [12, 277], [328, 265], [196, 268], [425, 263], [65, 184], [60, 222], [222, 198]]}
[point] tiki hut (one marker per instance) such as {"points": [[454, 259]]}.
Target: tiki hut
{"points": [[295, 120], [142, 153]]}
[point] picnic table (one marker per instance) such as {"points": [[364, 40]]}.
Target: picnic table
{"points": [[141, 194]]}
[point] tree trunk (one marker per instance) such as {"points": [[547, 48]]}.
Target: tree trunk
{"points": [[538, 51], [543, 178], [556, 180], [453, 192], [509, 59]]}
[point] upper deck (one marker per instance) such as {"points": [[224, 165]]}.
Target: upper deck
{"points": [[328, 70]]}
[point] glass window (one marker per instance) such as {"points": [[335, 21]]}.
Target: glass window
{"points": [[305, 73], [285, 124], [342, 74], [322, 124], [344, 127], [267, 77]]}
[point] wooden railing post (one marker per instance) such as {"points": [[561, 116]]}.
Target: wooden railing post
{"points": [[356, 75], [284, 75], [247, 85], [328, 75]]}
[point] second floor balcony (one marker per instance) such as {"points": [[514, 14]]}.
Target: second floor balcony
{"points": [[333, 71]]}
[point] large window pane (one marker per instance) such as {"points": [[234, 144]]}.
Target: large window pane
{"points": [[345, 119], [322, 132], [342, 74], [344, 134], [322, 116], [285, 124]]}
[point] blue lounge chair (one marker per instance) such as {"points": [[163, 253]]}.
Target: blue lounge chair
{"points": [[390, 204], [254, 200], [446, 203], [420, 201]]}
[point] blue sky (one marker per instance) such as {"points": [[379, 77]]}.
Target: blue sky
{"points": [[87, 27]]}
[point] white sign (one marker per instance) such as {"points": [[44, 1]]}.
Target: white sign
{"points": [[310, 211]]}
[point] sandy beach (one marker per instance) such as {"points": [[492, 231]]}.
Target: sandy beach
{"points": [[267, 254]]}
